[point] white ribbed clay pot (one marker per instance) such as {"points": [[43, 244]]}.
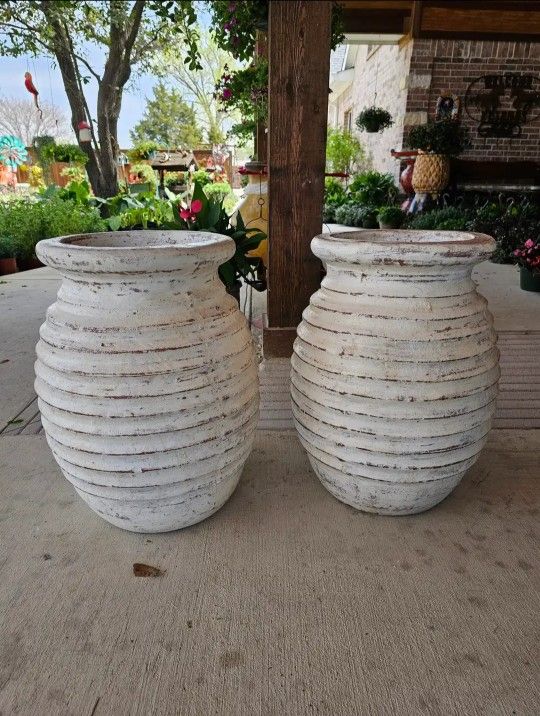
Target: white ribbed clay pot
{"points": [[395, 368], [146, 376]]}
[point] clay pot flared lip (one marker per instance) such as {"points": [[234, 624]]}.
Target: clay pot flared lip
{"points": [[135, 251], [404, 246]]}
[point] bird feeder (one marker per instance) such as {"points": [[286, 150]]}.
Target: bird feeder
{"points": [[85, 134]]}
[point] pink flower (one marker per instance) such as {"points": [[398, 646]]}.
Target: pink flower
{"points": [[185, 214], [196, 206], [529, 244]]}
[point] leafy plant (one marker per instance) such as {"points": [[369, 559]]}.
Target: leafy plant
{"points": [[39, 143], [144, 211], [202, 177], [373, 188], [71, 153], [145, 174], [35, 176], [7, 249], [219, 190], [26, 223], [508, 222], [391, 215], [75, 173], [235, 24], [527, 255], [451, 218], [374, 119], [444, 137], [142, 150], [208, 214], [245, 90], [344, 151], [174, 178], [334, 191]]}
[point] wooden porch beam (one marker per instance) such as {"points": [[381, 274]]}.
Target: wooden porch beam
{"points": [[299, 59]]}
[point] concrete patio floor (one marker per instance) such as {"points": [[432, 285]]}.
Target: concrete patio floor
{"points": [[286, 601]]}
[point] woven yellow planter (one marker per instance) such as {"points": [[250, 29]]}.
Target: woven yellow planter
{"points": [[431, 173]]}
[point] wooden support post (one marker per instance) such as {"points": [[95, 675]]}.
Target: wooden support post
{"points": [[261, 137], [299, 59]]}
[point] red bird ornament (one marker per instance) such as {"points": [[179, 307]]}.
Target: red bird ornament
{"points": [[29, 84]]}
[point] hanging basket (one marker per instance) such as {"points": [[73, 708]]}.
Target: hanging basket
{"points": [[431, 173]]}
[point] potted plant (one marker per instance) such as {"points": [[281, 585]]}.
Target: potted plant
{"points": [[527, 257], [175, 182], [142, 152], [204, 213], [8, 262], [390, 217], [61, 157], [374, 119], [142, 179], [436, 142]]}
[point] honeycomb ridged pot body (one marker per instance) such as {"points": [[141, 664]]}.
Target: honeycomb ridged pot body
{"points": [[395, 367], [146, 376], [431, 173]]}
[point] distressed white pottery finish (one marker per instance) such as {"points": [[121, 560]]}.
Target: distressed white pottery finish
{"points": [[146, 376], [395, 368]]}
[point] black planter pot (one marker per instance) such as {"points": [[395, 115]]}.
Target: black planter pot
{"points": [[529, 281], [372, 127]]}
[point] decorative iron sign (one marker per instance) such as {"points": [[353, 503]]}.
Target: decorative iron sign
{"points": [[502, 104]]}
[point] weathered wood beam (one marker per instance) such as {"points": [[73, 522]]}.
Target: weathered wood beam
{"points": [[299, 58]]}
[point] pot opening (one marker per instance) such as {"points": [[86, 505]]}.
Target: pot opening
{"points": [[406, 236], [145, 239]]}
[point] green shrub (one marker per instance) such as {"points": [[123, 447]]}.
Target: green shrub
{"points": [[343, 151], [374, 189], [71, 153], [334, 191], [353, 215], [25, 224], [391, 215], [7, 249], [450, 218]]}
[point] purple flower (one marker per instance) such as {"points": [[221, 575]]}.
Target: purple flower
{"points": [[227, 94]]}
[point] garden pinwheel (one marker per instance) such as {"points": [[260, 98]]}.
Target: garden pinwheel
{"points": [[12, 152]]}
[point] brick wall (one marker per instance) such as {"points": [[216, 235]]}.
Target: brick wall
{"points": [[439, 66]]}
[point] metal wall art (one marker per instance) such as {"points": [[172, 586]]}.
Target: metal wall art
{"points": [[502, 104]]}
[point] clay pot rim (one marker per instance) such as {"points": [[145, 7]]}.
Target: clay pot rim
{"points": [[393, 245], [135, 251]]}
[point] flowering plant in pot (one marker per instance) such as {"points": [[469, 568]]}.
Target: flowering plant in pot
{"points": [[207, 213], [374, 119], [436, 143], [390, 217], [527, 257]]}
